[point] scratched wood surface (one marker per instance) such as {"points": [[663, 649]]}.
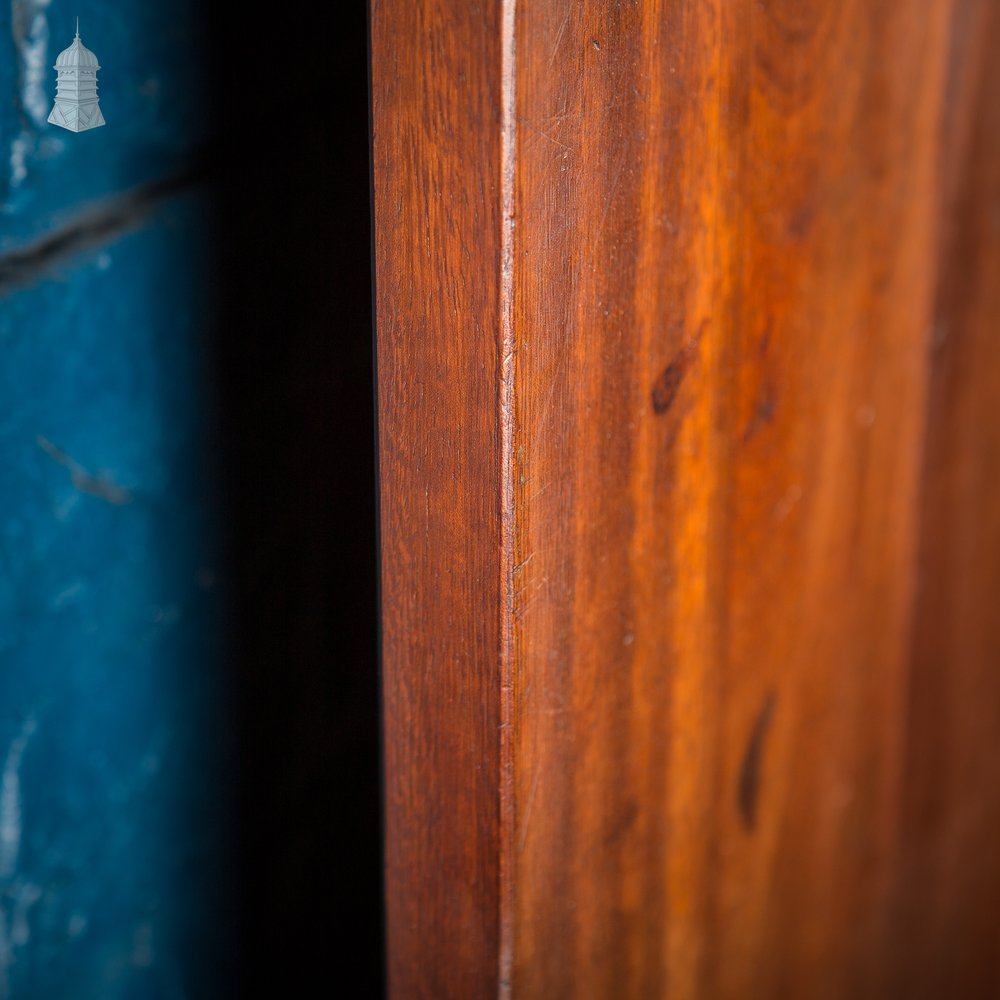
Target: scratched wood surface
{"points": [[437, 209], [689, 353]]}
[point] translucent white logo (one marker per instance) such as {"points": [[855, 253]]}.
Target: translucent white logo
{"points": [[77, 106]]}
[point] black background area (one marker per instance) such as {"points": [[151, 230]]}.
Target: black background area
{"points": [[293, 365]]}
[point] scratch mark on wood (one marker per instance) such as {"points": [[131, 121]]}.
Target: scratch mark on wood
{"points": [[559, 36], [523, 563], [545, 135], [527, 810], [608, 200]]}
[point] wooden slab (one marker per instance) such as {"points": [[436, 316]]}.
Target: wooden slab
{"points": [[688, 359]]}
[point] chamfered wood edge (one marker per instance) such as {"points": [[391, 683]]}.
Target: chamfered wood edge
{"points": [[505, 424], [440, 143]]}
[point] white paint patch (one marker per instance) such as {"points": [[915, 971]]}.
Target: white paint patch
{"points": [[31, 35], [10, 801], [34, 65], [20, 931], [15, 932], [68, 595], [19, 159]]}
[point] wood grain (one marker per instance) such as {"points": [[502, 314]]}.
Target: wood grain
{"points": [[712, 293], [436, 153]]}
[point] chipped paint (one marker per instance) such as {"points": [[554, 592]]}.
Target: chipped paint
{"points": [[30, 32], [10, 801]]}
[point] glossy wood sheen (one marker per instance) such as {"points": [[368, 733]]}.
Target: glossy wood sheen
{"points": [[437, 211], [712, 454]]}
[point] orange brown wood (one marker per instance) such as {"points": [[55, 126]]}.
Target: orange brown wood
{"points": [[437, 244], [688, 333]]}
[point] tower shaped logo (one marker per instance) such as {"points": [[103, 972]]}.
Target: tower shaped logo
{"points": [[77, 107]]}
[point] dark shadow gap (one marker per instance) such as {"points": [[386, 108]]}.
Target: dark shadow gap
{"points": [[293, 364]]}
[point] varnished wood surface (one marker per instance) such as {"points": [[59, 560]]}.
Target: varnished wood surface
{"points": [[437, 249], [712, 456]]}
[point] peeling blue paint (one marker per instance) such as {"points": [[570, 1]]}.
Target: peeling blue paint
{"points": [[152, 89], [110, 639]]}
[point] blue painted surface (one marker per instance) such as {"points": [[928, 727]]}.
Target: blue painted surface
{"points": [[110, 686], [153, 94]]}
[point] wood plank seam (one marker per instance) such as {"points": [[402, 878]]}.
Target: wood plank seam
{"points": [[505, 438]]}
